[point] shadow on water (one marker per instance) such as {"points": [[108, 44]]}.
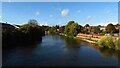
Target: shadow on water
{"points": [[18, 53], [7, 46]]}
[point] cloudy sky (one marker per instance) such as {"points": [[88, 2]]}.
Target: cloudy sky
{"points": [[59, 13]]}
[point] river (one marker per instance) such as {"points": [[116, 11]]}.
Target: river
{"points": [[55, 50]]}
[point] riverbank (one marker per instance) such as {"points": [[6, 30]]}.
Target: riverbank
{"points": [[89, 40], [111, 42]]}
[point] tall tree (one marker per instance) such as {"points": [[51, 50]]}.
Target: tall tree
{"points": [[110, 28], [33, 22], [72, 29], [87, 25]]}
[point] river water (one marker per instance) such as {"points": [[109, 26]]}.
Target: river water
{"points": [[55, 50]]}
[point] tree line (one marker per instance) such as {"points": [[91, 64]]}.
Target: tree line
{"points": [[32, 32], [72, 28]]}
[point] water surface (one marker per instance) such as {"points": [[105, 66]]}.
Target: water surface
{"points": [[57, 50]]}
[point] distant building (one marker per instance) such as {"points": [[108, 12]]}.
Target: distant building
{"points": [[16, 26], [86, 27], [117, 27], [102, 28], [58, 30], [7, 27]]}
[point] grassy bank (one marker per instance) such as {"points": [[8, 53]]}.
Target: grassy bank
{"points": [[87, 40], [105, 42]]}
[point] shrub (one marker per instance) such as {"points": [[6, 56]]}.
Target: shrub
{"points": [[106, 41], [101, 42], [117, 43]]}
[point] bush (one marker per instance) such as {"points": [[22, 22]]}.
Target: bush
{"points": [[106, 41], [117, 43]]}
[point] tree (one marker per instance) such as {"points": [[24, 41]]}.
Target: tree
{"points": [[57, 26], [87, 25], [79, 28], [73, 32], [33, 22], [53, 29], [86, 30], [82, 30], [110, 28], [67, 27], [99, 25], [72, 29], [61, 29], [97, 30], [27, 34]]}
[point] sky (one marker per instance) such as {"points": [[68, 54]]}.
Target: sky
{"points": [[59, 13], [60, 0]]}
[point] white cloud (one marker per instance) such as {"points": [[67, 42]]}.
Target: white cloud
{"points": [[65, 12], [0, 18], [50, 16], [43, 23], [10, 1], [89, 17], [106, 23], [37, 13]]}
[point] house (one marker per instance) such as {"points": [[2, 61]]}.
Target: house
{"points": [[102, 28], [118, 28], [6, 27], [16, 26]]}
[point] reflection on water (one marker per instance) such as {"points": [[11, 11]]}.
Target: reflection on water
{"points": [[62, 51], [71, 43], [106, 52]]}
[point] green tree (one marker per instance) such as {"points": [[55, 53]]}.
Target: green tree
{"points": [[53, 30], [27, 34], [87, 25], [67, 27], [33, 22], [79, 29], [110, 28], [96, 30], [72, 29]]}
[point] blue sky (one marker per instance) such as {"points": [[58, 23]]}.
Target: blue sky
{"points": [[59, 13]]}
